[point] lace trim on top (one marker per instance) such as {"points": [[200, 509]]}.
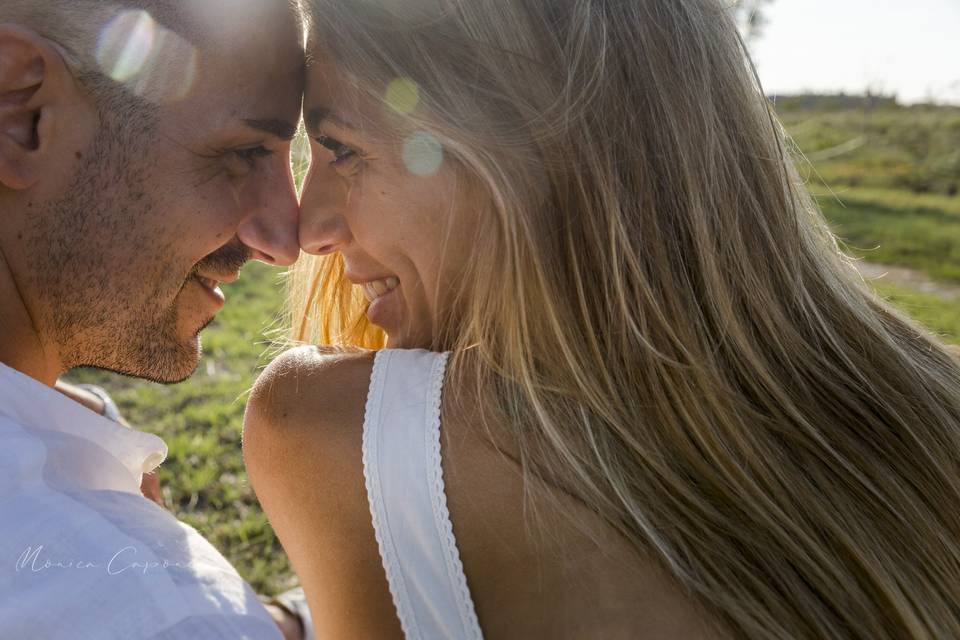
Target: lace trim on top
{"points": [[441, 513]]}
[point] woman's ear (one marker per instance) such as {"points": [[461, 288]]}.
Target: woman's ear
{"points": [[33, 79]]}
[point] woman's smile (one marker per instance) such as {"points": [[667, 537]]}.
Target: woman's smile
{"points": [[378, 311], [377, 288]]}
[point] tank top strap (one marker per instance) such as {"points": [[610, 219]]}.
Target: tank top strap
{"points": [[405, 488]]}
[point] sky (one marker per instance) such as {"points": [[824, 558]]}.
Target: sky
{"points": [[908, 48]]}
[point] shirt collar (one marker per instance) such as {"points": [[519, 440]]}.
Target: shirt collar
{"points": [[34, 405]]}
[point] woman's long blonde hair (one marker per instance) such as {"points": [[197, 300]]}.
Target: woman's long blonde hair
{"points": [[667, 326]]}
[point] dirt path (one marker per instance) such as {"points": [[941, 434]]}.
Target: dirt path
{"points": [[910, 278]]}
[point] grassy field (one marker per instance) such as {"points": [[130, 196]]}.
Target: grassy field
{"points": [[914, 148], [919, 231], [892, 176], [887, 178], [941, 317]]}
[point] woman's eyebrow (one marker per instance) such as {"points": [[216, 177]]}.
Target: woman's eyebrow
{"points": [[279, 128], [319, 114]]}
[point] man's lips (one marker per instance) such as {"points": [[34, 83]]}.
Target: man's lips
{"points": [[208, 283], [212, 281]]}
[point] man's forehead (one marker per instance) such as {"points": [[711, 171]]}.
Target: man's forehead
{"points": [[257, 53], [248, 69], [226, 20], [200, 20], [266, 102], [264, 91], [158, 48]]}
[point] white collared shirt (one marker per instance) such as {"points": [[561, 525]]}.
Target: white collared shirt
{"points": [[83, 555]]}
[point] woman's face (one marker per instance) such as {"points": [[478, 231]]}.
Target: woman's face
{"points": [[384, 203]]}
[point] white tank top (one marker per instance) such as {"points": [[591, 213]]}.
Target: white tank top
{"points": [[404, 480]]}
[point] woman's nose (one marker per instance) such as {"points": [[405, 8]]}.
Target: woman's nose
{"points": [[325, 249], [319, 237], [323, 228]]}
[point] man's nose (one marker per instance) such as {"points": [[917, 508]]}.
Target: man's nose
{"points": [[271, 229]]}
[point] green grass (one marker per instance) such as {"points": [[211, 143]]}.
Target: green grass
{"points": [[942, 317], [911, 148], [887, 178], [919, 231]]}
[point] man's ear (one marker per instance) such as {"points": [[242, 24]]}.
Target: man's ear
{"points": [[32, 80]]}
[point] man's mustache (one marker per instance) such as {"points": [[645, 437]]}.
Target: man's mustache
{"points": [[226, 260]]}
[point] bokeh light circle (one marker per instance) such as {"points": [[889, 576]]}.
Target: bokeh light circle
{"points": [[403, 95], [125, 44], [150, 60], [422, 154]]}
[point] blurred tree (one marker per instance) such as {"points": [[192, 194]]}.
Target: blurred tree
{"points": [[750, 17]]}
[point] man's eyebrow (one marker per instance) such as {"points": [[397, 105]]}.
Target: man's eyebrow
{"points": [[279, 128], [319, 114]]}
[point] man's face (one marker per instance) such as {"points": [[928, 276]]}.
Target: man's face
{"points": [[161, 200]]}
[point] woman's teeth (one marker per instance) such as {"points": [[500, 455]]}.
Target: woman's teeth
{"points": [[377, 288]]}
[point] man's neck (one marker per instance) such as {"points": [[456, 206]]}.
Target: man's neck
{"points": [[20, 345]]}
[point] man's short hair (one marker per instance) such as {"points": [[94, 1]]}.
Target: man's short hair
{"points": [[81, 27], [78, 25]]}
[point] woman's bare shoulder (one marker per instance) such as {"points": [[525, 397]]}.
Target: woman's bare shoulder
{"points": [[309, 381], [302, 446], [304, 420]]}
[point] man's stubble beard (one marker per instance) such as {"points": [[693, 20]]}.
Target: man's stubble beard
{"points": [[102, 272]]}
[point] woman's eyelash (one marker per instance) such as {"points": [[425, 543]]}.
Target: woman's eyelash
{"points": [[340, 150]]}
